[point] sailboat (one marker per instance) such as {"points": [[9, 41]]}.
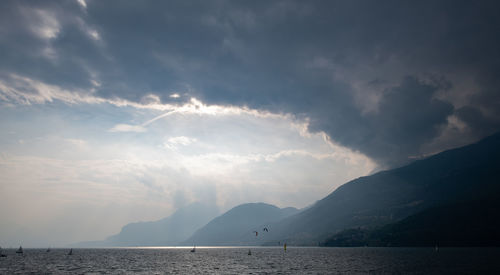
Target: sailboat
{"points": [[20, 250], [1, 254], [70, 251], [249, 252], [194, 249], [48, 250]]}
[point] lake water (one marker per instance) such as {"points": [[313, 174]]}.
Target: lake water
{"points": [[264, 260]]}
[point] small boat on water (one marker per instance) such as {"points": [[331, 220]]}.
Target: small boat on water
{"points": [[1, 254], [20, 250], [249, 252], [48, 250], [194, 249], [70, 251]]}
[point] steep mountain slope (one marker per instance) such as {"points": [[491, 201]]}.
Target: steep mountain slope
{"points": [[465, 173], [471, 223], [237, 226]]}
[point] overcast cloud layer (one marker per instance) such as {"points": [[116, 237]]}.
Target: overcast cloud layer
{"points": [[384, 77], [361, 85], [392, 79]]}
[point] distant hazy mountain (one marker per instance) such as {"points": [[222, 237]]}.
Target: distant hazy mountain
{"points": [[464, 174], [168, 231], [237, 226]]}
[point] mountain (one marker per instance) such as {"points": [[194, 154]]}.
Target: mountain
{"points": [[388, 208], [165, 232], [471, 223], [462, 174], [237, 226]]}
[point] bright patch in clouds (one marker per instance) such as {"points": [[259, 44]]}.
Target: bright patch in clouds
{"points": [[94, 34], [46, 25], [173, 142], [127, 128], [82, 3]]}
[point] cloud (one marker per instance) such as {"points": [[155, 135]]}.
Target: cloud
{"points": [[46, 26], [409, 115], [127, 128], [333, 62], [476, 121], [25, 91], [22, 90], [82, 3], [173, 142]]}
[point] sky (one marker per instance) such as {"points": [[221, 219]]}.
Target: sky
{"points": [[120, 111]]}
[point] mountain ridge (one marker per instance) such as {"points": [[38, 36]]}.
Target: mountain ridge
{"points": [[238, 225], [392, 195]]}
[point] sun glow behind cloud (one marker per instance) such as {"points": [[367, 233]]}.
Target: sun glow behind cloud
{"points": [[140, 161]]}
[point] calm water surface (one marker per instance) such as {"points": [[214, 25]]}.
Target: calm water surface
{"points": [[264, 260]]}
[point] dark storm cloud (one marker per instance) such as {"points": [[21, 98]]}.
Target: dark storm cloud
{"points": [[477, 121], [26, 47], [320, 59]]}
